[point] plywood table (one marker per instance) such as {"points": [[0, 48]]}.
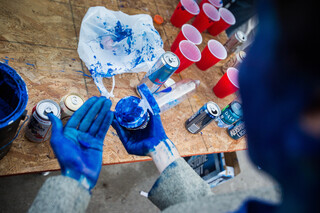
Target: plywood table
{"points": [[39, 38]]}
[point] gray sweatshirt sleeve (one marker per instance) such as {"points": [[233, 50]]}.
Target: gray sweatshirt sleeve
{"points": [[61, 194], [178, 183]]}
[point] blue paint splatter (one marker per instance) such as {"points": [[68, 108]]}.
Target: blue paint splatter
{"points": [[114, 134], [73, 59], [30, 65], [6, 61]]}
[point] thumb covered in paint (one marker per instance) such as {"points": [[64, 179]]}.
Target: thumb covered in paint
{"points": [[57, 126]]}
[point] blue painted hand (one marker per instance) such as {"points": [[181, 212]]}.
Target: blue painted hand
{"points": [[78, 146], [143, 141]]}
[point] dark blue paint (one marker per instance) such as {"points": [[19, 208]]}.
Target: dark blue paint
{"points": [[13, 95]]}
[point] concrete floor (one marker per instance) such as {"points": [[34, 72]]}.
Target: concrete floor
{"points": [[119, 185]]}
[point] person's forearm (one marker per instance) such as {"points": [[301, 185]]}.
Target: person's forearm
{"points": [[61, 194], [164, 154]]}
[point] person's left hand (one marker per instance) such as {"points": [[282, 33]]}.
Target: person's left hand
{"points": [[78, 146]]}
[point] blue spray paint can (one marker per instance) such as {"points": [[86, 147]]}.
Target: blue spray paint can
{"points": [[164, 67], [230, 114], [205, 115], [238, 130]]}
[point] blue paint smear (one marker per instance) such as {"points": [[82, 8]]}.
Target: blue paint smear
{"points": [[101, 46], [6, 61], [84, 74], [30, 64]]}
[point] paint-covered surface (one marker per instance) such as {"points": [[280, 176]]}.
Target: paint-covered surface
{"points": [[44, 34]]}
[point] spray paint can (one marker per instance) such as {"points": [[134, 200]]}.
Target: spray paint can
{"points": [[69, 104], [238, 130], [234, 61], [237, 39], [39, 127], [164, 67], [205, 115]]}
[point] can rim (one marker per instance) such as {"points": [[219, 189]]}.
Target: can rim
{"points": [[211, 105], [68, 107], [42, 115], [169, 62]]}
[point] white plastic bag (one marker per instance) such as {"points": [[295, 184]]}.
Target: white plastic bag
{"points": [[112, 42]]}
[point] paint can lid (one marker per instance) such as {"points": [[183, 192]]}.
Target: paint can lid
{"points": [[213, 108], [73, 102], [47, 106], [171, 59]]}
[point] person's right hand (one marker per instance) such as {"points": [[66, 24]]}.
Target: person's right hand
{"points": [[143, 141]]}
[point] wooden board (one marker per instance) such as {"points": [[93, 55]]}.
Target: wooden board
{"points": [[38, 38]]}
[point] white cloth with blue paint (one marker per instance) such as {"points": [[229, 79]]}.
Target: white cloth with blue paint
{"points": [[112, 42]]}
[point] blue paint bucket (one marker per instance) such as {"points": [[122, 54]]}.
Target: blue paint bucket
{"points": [[13, 102]]}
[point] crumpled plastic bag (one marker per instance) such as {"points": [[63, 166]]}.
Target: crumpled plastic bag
{"points": [[112, 42]]}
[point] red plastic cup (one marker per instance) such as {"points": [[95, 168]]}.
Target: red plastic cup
{"points": [[207, 16], [227, 84], [226, 20], [212, 54], [188, 54], [216, 3], [188, 32], [184, 11]]}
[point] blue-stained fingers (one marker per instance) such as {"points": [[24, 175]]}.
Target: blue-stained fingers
{"points": [[120, 130], [57, 127], [94, 128], [105, 125], [91, 114], [77, 117]]}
